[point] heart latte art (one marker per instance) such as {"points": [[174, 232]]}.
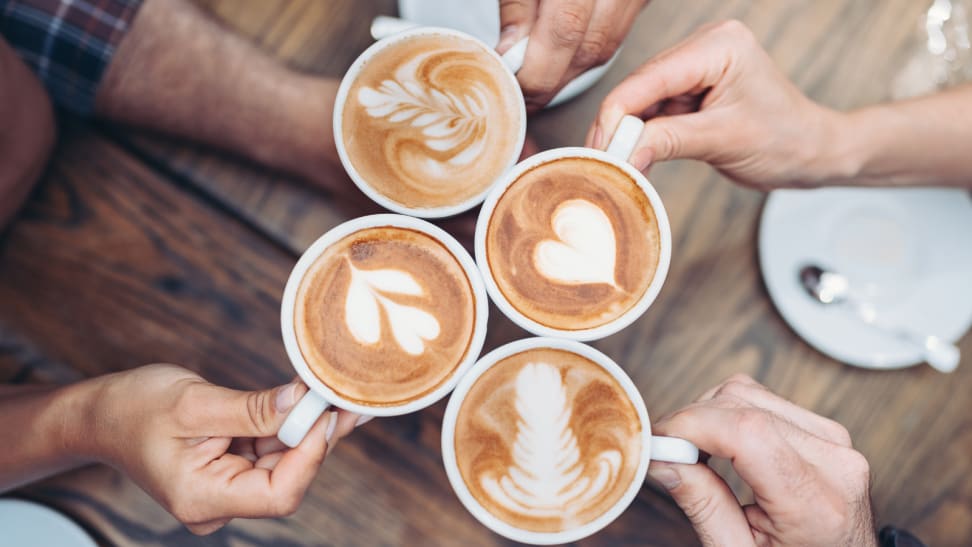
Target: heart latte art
{"points": [[384, 316], [547, 440], [432, 121], [573, 243]]}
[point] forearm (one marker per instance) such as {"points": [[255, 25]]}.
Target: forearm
{"points": [[919, 142], [179, 72], [44, 430]]}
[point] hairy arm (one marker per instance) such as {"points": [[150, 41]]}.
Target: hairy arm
{"points": [[180, 72], [45, 433]]}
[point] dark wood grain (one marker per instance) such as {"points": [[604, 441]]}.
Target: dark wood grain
{"points": [[714, 317], [110, 267], [186, 265]]}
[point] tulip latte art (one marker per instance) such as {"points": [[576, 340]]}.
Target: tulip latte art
{"points": [[573, 243], [384, 316], [547, 440], [432, 121]]}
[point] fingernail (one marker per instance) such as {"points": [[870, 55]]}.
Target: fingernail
{"points": [[331, 425], [666, 476], [642, 158], [286, 397], [598, 135], [363, 420]]}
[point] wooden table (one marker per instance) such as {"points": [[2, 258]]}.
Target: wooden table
{"points": [[135, 249]]}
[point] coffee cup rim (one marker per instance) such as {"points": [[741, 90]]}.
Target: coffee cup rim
{"points": [[337, 125], [332, 236], [601, 331], [455, 476]]}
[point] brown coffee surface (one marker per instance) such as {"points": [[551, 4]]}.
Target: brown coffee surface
{"points": [[573, 243], [384, 316], [432, 121], [547, 440]]}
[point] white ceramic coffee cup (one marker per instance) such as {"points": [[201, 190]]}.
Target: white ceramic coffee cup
{"points": [[619, 150], [512, 60], [320, 397], [667, 449]]}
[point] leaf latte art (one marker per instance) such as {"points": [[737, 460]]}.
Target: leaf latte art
{"points": [[431, 121], [384, 316], [547, 440]]}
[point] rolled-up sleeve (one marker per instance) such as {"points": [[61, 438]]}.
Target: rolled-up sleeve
{"points": [[68, 43]]}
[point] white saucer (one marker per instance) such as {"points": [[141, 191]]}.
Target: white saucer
{"points": [[26, 524], [909, 250], [481, 19]]}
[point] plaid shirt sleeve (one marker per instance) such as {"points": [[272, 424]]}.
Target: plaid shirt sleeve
{"points": [[68, 43]]}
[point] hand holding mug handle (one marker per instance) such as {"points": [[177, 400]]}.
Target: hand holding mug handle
{"points": [[301, 418], [673, 450]]}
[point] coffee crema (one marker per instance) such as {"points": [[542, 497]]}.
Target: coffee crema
{"points": [[384, 316], [547, 440], [432, 121], [573, 243]]}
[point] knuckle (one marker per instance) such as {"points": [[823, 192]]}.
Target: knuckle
{"points": [[185, 407], [569, 25], [734, 28], [736, 385], [287, 504], [753, 423], [592, 49], [840, 434], [857, 468], [258, 408], [670, 143], [184, 512], [699, 509]]}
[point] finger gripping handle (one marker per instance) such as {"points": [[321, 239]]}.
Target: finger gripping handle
{"points": [[626, 137], [302, 418], [673, 450]]}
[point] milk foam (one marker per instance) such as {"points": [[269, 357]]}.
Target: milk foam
{"points": [[547, 440], [452, 122], [431, 121], [547, 478], [384, 315], [586, 249], [411, 326]]}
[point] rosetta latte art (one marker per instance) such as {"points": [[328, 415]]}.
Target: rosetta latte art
{"points": [[547, 440], [452, 123], [432, 121], [546, 478]]}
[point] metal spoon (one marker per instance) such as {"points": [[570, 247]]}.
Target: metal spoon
{"points": [[833, 288]]}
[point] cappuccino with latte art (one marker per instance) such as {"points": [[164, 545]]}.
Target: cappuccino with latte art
{"points": [[547, 440], [384, 316], [429, 121]]}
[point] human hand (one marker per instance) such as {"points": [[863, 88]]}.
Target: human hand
{"points": [[811, 488], [206, 453], [719, 98], [567, 37]]}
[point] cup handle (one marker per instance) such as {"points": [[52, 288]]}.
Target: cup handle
{"points": [[303, 416], [513, 58], [673, 450], [384, 26], [626, 137]]}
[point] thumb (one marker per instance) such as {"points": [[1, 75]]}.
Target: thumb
{"points": [[225, 412], [687, 136], [707, 501], [516, 20]]}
